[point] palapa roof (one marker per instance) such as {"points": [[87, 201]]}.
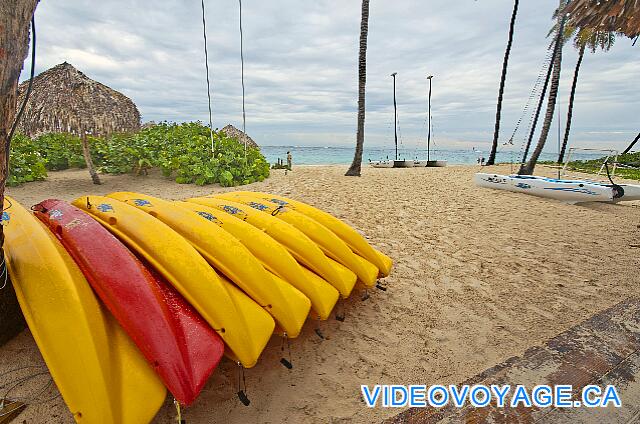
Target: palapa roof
{"points": [[621, 16], [233, 132], [64, 99]]}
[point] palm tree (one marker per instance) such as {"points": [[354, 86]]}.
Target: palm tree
{"points": [[583, 39], [621, 16], [528, 167], [505, 65], [15, 16], [356, 166]]}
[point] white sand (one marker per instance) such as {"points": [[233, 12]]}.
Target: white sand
{"points": [[480, 276]]}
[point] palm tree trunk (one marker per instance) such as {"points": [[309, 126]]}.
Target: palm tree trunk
{"points": [[505, 65], [572, 97], [527, 168], [356, 166], [15, 16], [87, 158], [543, 95]]}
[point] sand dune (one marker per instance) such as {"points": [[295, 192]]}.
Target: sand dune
{"points": [[480, 276]]}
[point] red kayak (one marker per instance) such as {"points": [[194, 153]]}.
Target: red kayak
{"points": [[176, 341]]}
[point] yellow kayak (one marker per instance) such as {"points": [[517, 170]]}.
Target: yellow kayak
{"points": [[102, 376], [330, 244], [349, 235], [288, 306], [274, 257], [300, 246], [243, 325]]}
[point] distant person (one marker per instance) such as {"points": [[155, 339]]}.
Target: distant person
{"points": [[482, 161], [289, 161]]}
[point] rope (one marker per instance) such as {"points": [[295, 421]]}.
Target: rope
{"points": [[242, 388], [29, 87], [534, 116], [29, 399], [244, 113], [288, 364], [532, 95], [618, 191], [3, 266], [4, 274], [178, 411], [206, 64]]}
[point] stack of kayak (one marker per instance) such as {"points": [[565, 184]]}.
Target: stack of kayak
{"points": [[129, 294], [570, 191]]}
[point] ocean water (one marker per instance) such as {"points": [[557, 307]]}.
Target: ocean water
{"points": [[310, 155]]}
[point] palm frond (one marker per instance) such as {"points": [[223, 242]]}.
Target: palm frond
{"points": [[616, 16]]}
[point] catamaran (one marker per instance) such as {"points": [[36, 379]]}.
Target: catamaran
{"points": [[565, 190]]}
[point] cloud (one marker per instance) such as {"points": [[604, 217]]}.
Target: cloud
{"points": [[301, 67]]}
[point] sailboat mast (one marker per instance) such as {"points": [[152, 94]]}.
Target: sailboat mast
{"points": [[430, 77], [395, 113]]}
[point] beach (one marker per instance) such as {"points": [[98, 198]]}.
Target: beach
{"points": [[479, 276]]}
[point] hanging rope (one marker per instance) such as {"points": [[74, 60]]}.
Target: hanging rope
{"points": [[206, 65], [532, 95], [3, 265], [28, 93], [546, 69], [244, 114]]}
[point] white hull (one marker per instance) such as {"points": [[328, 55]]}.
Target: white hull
{"points": [[381, 164], [565, 190], [437, 163], [629, 192], [419, 163]]}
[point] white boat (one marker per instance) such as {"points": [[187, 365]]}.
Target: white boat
{"points": [[630, 192], [381, 163], [419, 163], [621, 192], [570, 191]]}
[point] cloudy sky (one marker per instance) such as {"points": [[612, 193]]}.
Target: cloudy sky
{"points": [[301, 66]]}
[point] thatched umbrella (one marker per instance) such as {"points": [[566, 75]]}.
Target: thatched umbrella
{"points": [[621, 16], [66, 100], [233, 132]]}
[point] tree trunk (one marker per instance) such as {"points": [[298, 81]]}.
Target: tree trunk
{"points": [[543, 95], [572, 97], [356, 166], [527, 168], [86, 152], [505, 65], [15, 16]]}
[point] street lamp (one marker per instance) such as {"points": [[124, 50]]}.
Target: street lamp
{"points": [[430, 78], [395, 113]]}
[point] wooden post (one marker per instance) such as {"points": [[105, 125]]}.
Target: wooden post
{"points": [[15, 17], [86, 152]]}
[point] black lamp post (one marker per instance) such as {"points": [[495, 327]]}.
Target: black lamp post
{"points": [[395, 113], [430, 78]]}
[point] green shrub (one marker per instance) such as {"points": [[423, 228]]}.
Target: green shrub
{"points": [[593, 166], [184, 151], [25, 162], [181, 151], [61, 151]]}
